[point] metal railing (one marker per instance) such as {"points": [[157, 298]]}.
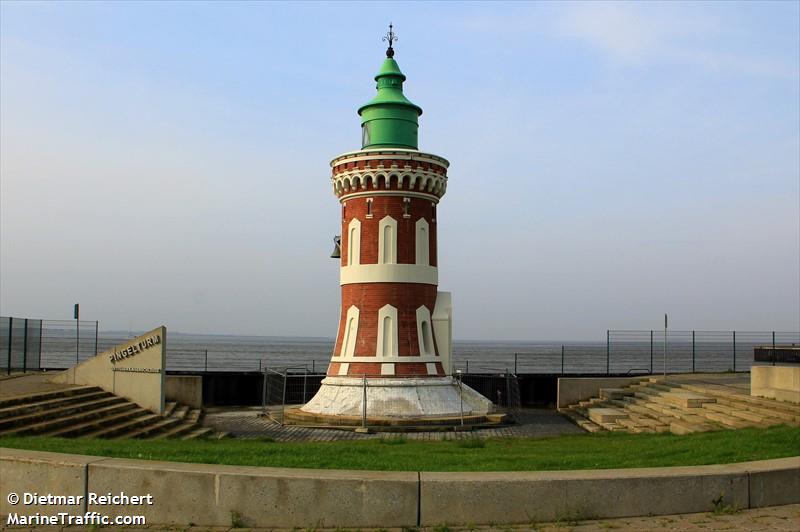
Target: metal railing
{"points": [[32, 344], [295, 386]]}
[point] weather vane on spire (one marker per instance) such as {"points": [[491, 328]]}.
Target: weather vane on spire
{"points": [[390, 38]]}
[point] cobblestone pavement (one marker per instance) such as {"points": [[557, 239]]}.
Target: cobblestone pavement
{"points": [[776, 518], [245, 422]]}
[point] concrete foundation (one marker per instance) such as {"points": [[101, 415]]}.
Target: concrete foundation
{"points": [[397, 397], [776, 382]]}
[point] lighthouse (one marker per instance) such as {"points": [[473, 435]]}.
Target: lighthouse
{"points": [[394, 341]]}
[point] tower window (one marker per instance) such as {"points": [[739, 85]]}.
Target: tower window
{"points": [[369, 207], [406, 207]]}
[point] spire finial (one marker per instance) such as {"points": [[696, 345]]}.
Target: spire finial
{"points": [[390, 38]]}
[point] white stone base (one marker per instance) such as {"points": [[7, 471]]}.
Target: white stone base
{"points": [[397, 397]]}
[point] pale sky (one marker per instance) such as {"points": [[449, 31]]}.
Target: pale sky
{"points": [[167, 163]]}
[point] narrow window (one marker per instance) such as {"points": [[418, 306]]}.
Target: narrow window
{"points": [[387, 241], [387, 335], [369, 207], [354, 242], [406, 207], [422, 243], [427, 342], [350, 332]]}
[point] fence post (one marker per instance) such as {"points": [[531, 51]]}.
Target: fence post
{"points": [[651, 351], [10, 334], [96, 334], [734, 351], [205, 364], [562, 359], [25, 348], [515, 363], [364, 405], [305, 380], [77, 340], [692, 351], [283, 400], [313, 368], [41, 330], [773, 348], [460, 397], [608, 351], [508, 390], [467, 371], [264, 392]]}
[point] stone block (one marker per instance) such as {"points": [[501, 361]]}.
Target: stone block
{"points": [[211, 495], [687, 399], [774, 482], [606, 415]]}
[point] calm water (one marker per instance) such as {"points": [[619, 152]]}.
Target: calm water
{"points": [[627, 351]]}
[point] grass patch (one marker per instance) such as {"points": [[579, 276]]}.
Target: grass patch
{"points": [[581, 451]]}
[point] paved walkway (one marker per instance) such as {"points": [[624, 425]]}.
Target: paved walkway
{"points": [[26, 383], [776, 518], [246, 422]]}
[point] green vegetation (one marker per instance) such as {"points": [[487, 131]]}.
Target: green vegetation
{"points": [[584, 451]]}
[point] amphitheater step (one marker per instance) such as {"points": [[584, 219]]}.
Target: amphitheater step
{"points": [[58, 413], [44, 396], [81, 428], [51, 425], [198, 433], [684, 427], [140, 419], [169, 408], [151, 429], [615, 393], [177, 430], [47, 404], [687, 399], [606, 415]]}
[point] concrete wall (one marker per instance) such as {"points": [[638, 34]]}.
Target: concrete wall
{"points": [[185, 389], [572, 390], [133, 370], [776, 382], [210, 495]]}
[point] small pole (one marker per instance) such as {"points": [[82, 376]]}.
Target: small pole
{"points": [[305, 380], [665, 346], [364, 405], [651, 352], [41, 330], [259, 364], [467, 371], [264, 391], [773, 348], [508, 390], [734, 351], [693, 343], [77, 332], [562, 359], [608, 351], [25, 348], [205, 365], [283, 399], [96, 334], [460, 397], [313, 368], [10, 335], [515, 363]]}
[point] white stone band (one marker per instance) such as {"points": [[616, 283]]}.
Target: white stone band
{"points": [[389, 273]]}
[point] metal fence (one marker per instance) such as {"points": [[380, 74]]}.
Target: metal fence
{"points": [[32, 344], [295, 386]]}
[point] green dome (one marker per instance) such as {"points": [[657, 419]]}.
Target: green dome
{"points": [[389, 119]]}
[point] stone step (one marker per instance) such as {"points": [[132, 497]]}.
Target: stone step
{"points": [[756, 401], [198, 433], [614, 393], [56, 423], [752, 417], [687, 399], [180, 412], [80, 428], [684, 427], [66, 410], [121, 428], [728, 421], [603, 416], [151, 428], [38, 406], [194, 416], [580, 420], [44, 396], [788, 417], [169, 408], [174, 431]]}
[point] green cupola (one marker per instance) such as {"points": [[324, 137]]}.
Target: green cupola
{"points": [[389, 119]]}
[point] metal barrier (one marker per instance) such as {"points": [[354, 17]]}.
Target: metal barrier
{"points": [[295, 386], [28, 344]]}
